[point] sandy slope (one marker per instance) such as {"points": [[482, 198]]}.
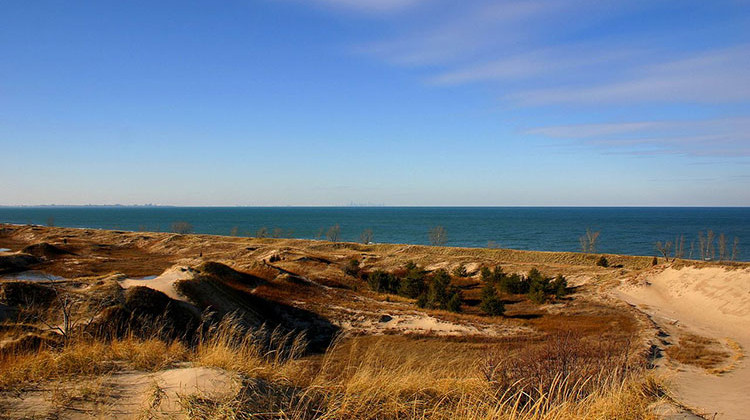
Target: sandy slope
{"points": [[124, 395], [164, 283], [712, 302]]}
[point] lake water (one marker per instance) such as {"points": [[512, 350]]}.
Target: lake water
{"points": [[627, 230]]}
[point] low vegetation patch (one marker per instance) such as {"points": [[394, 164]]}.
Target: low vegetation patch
{"points": [[695, 350], [437, 290], [602, 262], [536, 286], [398, 378]]}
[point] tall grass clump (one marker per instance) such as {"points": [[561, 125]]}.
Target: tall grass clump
{"points": [[87, 357], [564, 377], [230, 345]]}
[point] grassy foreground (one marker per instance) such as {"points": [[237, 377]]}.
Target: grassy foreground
{"points": [[563, 377]]}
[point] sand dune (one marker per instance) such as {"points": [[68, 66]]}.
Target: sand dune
{"points": [[164, 283], [713, 302]]}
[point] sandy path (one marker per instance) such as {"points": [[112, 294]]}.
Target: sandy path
{"points": [[711, 302]]}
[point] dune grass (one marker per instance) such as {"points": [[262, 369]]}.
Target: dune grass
{"points": [[699, 351], [87, 358], [400, 378], [370, 377]]}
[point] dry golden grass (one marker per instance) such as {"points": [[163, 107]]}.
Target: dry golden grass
{"points": [[389, 377], [87, 392], [696, 350], [394, 377], [87, 358], [737, 355]]}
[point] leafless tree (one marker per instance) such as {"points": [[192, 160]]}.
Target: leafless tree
{"points": [[707, 249], [710, 250], [438, 236], [235, 231], [334, 233], [588, 241], [51, 221], [722, 247], [692, 248], [679, 247], [664, 249], [277, 232], [182, 228], [69, 306], [262, 232], [735, 249], [366, 236]]}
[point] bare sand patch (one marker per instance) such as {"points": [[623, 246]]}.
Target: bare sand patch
{"points": [[165, 283], [417, 323], [127, 395], [710, 302]]}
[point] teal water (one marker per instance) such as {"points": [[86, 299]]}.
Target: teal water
{"points": [[624, 230]]}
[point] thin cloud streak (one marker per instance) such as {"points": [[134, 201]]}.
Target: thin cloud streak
{"points": [[727, 125], [710, 77], [371, 6], [534, 42], [461, 34], [522, 66], [721, 137]]}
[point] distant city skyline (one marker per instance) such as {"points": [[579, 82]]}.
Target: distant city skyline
{"points": [[398, 102]]}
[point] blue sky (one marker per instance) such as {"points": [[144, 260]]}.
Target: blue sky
{"points": [[395, 102]]}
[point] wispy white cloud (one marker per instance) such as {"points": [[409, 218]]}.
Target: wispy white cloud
{"points": [[532, 52], [706, 77], [371, 6], [541, 63], [719, 137], [558, 53], [459, 33], [592, 130], [730, 125]]}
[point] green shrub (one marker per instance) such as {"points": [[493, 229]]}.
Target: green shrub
{"points": [[412, 284], [422, 300], [383, 281], [498, 274], [352, 268], [602, 261], [559, 286], [454, 303], [437, 293], [486, 275], [460, 271], [539, 286], [537, 296], [440, 295], [491, 303], [514, 284]]}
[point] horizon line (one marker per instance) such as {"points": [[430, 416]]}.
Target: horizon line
{"points": [[364, 206]]}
